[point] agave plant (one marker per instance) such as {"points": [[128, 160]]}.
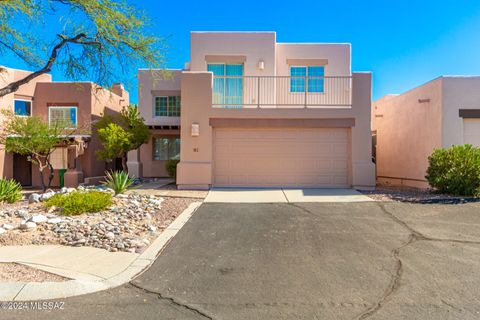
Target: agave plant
{"points": [[118, 181], [10, 191]]}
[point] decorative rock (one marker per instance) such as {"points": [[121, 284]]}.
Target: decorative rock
{"points": [[7, 226], [38, 218], [2, 230], [110, 235], [152, 228], [54, 220], [47, 195], [34, 198], [27, 225]]}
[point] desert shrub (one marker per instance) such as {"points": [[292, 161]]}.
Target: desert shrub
{"points": [[455, 170], [75, 203], [10, 191], [118, 181], [171, 167]]}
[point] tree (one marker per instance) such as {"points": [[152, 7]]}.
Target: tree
{"points": [[120, 134], [34, 138], [96, 39]]}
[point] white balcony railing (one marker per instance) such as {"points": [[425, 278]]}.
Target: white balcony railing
{"points": [[281, 91]]}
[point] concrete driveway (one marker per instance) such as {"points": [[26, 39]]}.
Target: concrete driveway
{"points": [[364, 260], [278, 195]]}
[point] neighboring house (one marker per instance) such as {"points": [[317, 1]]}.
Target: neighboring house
{"points": [[78, 103], [408, 127], [249, 111]]}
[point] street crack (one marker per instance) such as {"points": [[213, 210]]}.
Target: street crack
{"points": [[395, 282], [173, 301]]}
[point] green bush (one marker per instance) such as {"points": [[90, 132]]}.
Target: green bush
{"points": [[80, 202], [118, 181], [455, 170], [171, 167], [10, 191]]}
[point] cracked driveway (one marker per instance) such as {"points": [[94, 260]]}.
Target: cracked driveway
{"points": [[304, 261]]}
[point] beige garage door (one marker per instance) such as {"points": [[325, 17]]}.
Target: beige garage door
{"points": [[281, 157], [471, 131]]}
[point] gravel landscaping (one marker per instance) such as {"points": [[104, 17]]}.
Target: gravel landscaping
{"points": [[13, 272], [129, 225], [408, 194]]}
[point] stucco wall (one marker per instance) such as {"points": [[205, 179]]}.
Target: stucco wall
{"points": [[458, 93], [195, 168], [153, 83], [407, 133]]}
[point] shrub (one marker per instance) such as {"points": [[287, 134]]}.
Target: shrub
{"points": [[455, 170], [10, 191], [80, 202], [118, 181], [171, 167]]}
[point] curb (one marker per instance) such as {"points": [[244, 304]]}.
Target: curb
{"points": [[25, 291]]}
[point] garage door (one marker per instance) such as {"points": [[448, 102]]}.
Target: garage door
{"points": [[471, 131], [281, 157]]}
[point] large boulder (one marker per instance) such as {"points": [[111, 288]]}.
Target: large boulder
{"points": [[34, 198]]}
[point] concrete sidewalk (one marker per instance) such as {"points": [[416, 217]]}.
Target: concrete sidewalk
{"points": [[90, 269], [277, 195]]}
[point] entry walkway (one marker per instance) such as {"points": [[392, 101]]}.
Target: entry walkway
{"points": [[261, 195]]}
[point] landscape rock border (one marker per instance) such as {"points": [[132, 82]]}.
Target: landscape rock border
{"points": [[17, 291]]}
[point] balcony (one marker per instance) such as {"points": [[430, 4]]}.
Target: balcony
{"points": [[281, 92]]}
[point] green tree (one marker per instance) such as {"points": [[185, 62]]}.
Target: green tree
{"points": [[120, 134], [95, 39], [34, 138]]}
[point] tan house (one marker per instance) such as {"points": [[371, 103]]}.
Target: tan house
{"points": [[408, 127], [78, 103], [248, 111]]}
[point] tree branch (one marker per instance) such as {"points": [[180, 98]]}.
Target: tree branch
{"points": [[12, 87]]}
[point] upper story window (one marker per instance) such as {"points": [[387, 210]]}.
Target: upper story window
{"points": [[167, 106], [313, 75], [227, 84], [22, 108], [66, 116]]}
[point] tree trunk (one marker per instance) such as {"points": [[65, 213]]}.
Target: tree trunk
{"points": [[51, 174], [124, 163], [44, 187]]}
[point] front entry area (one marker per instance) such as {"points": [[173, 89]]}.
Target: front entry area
{"points": [[282, 157], [22, 170]]}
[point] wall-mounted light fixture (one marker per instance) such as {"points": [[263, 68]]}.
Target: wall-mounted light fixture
{"points": [[261, 65], [195, 129]]}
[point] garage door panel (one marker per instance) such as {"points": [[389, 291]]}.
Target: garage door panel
{"points": [[281, 157], [471, 132]]}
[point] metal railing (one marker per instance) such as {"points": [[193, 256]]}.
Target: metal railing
{"points": [[281, 91]]}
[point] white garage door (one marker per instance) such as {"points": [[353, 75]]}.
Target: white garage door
{"points": [[471, 132], [281, 157]]}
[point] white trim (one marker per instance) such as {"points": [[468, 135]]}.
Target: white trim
{"points": [[31, 107], [64, 107]]}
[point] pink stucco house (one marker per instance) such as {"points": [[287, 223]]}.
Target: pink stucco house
{"points": [[81, 104], [248, 111], [408, 127]]}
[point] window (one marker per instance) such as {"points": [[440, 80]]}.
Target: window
{"points": [[314, 76], [66, 116], [22, 108], [166, 148], [227, 84], [167, 106]]}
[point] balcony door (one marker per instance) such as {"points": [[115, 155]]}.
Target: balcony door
{"points": [[227, 84]]}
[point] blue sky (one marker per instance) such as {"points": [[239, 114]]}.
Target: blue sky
{"points": [[404, 43]]}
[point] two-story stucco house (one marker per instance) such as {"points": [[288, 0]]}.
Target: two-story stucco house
{"points": [[77, 103], [409, 126], [249, 111]]}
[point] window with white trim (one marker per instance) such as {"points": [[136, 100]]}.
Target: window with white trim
{"points": [[64, 116], [167, 106], [314, 75]]}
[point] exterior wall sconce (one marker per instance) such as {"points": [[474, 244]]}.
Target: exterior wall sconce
{"points": [[261, 65], [195, 129]]}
